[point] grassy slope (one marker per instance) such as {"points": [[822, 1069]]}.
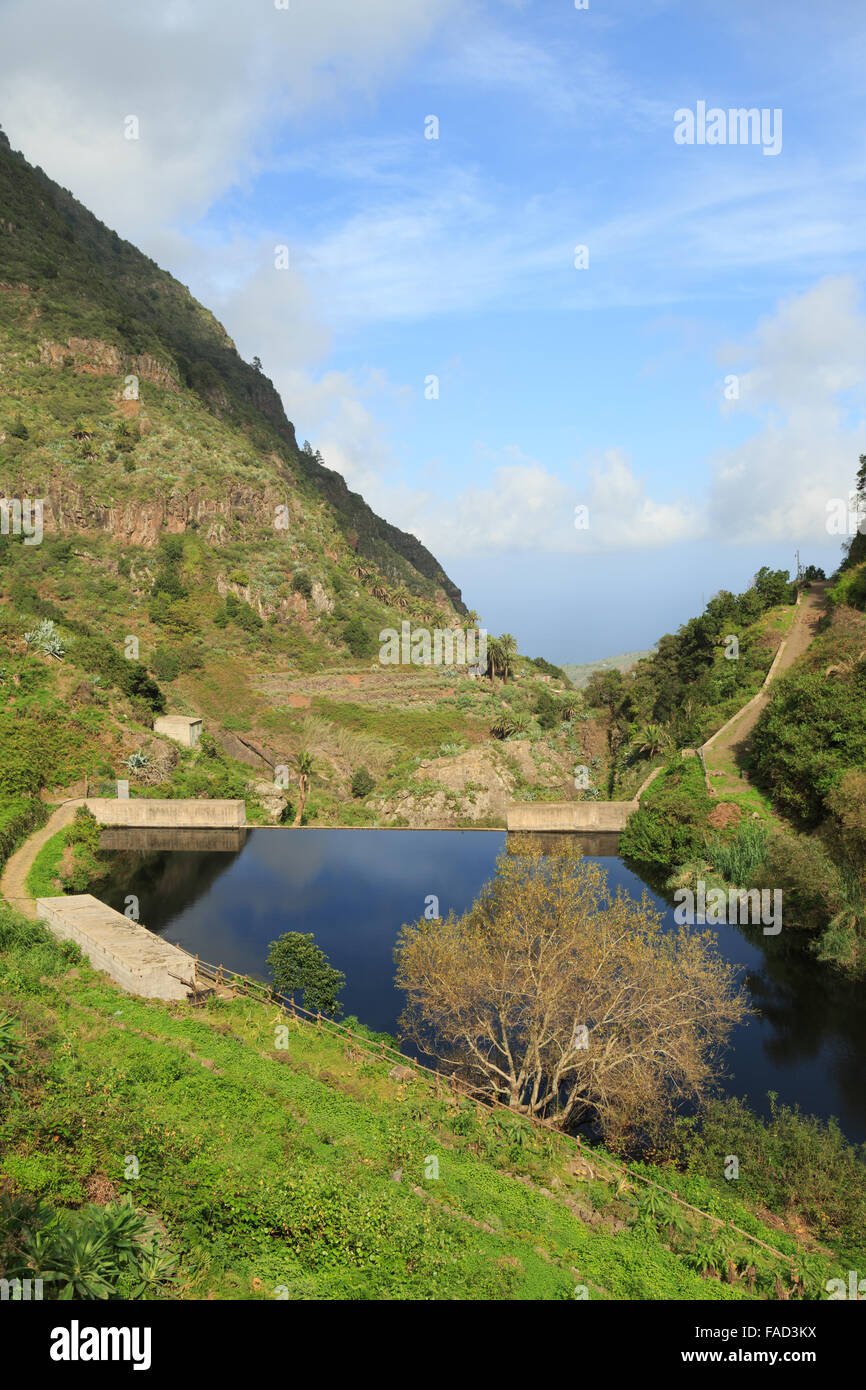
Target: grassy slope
{"points": [[270, 1167]]}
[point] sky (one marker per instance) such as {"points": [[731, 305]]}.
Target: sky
{"points": [[599, 370]]}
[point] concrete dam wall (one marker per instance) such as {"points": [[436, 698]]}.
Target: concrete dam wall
{"points": [[569, 815], [143, 812]]}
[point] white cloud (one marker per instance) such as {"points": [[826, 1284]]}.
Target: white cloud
{"points": [[210, 85], [527, 507], [805, 382]]}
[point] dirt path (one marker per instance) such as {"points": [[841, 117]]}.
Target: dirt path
{"points": [[729, 746], [14, 880]]}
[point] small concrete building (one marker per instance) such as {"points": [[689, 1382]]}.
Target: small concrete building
{"points": [[182, 729]]}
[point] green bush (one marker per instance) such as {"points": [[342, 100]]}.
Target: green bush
{"points": [[362, 783], [792, 1163], [298, 964], [812, 730], [96, 655], [358, 638], [669, 827], [169, 662], [547, 710], [302, 583]]}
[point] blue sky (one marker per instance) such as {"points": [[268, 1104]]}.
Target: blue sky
{"points": [[410, 257]]}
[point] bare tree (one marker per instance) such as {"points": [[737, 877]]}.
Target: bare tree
{"points": [[566, 1001]]}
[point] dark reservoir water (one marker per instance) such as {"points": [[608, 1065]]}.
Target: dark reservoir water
{"points": [[227, 894]]}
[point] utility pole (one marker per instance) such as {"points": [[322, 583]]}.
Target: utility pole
{"points": [[797, 553]]}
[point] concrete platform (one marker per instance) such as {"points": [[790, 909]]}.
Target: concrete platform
{"points": [[130, 955]]}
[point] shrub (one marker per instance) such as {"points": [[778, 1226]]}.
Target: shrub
{"points": [[547, 710], [302, 583], [169, 662], [96, 655], [811, 884], [792, 1163], [298, 964], [358, 638], [811, 732], [669, 827], [362, 783]]}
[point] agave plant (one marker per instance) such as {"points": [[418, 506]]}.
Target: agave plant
{"points": [[97, 1253], [9, 1047]]}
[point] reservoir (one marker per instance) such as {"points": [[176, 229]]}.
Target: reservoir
{"points": [[226, 894]]}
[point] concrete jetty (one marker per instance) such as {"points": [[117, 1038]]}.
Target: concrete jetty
{"points": [[130, 955]]}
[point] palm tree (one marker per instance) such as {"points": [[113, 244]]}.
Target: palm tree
{"points": [[652, 740], [401, 598], [501, 653], [570, 705], [507, 724], [304, 768]]}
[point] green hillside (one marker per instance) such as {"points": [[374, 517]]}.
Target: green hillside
{"points": [[329, 1178], [579, 673]]}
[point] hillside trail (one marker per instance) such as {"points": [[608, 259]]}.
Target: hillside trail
{"points": [[13, 883], [726, 752]]}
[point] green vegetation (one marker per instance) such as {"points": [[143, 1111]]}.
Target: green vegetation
{"points": [[670, 826], [791, 1163], [362, 783], [19, 817], [812, 731], [298, 966], [309, 1168]]}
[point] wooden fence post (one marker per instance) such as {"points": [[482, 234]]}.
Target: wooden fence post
{"points": [[319, 1021]]}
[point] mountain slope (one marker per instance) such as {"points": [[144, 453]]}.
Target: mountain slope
{"points": [[79, 301]]}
